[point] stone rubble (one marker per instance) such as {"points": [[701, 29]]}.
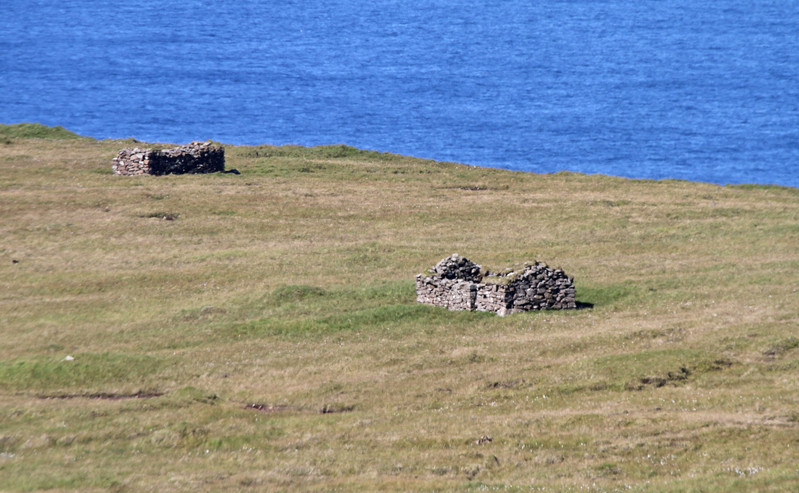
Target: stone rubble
{"points": [[456, 283], [455, 267], [196, 157]]}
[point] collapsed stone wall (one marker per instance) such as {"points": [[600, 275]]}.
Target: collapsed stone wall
{"points": [[196, 157], [456, 283]]}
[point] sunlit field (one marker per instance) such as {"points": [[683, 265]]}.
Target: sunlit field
{"points": [[260, 331]]}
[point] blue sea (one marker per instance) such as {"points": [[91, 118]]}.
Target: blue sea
{"points": [[689, 89]]}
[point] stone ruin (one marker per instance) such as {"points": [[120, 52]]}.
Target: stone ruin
{"points": [[196, 157], [456, 283]]}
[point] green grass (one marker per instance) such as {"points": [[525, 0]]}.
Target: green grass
{"points": [[35, 131], [265, 336], [82, 371]]}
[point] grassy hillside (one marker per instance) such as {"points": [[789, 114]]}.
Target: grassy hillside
{"points": [[260, 331]]}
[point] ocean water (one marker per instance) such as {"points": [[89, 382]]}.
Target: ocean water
{"points": [[689, 89]]}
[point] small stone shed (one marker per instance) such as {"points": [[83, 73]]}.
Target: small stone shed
{"points": [[196, 157], [456, 283]]}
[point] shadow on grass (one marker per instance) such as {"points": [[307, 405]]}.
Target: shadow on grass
{"points": [[606, 296]]}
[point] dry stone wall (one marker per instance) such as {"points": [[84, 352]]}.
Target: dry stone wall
{"points": [[196, 157], [457, 283]]}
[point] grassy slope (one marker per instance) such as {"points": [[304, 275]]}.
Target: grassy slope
{"points": [[291, 287]]}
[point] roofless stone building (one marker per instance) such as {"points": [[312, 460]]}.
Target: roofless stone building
{"points": [[456, 283], [196, 157]]}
